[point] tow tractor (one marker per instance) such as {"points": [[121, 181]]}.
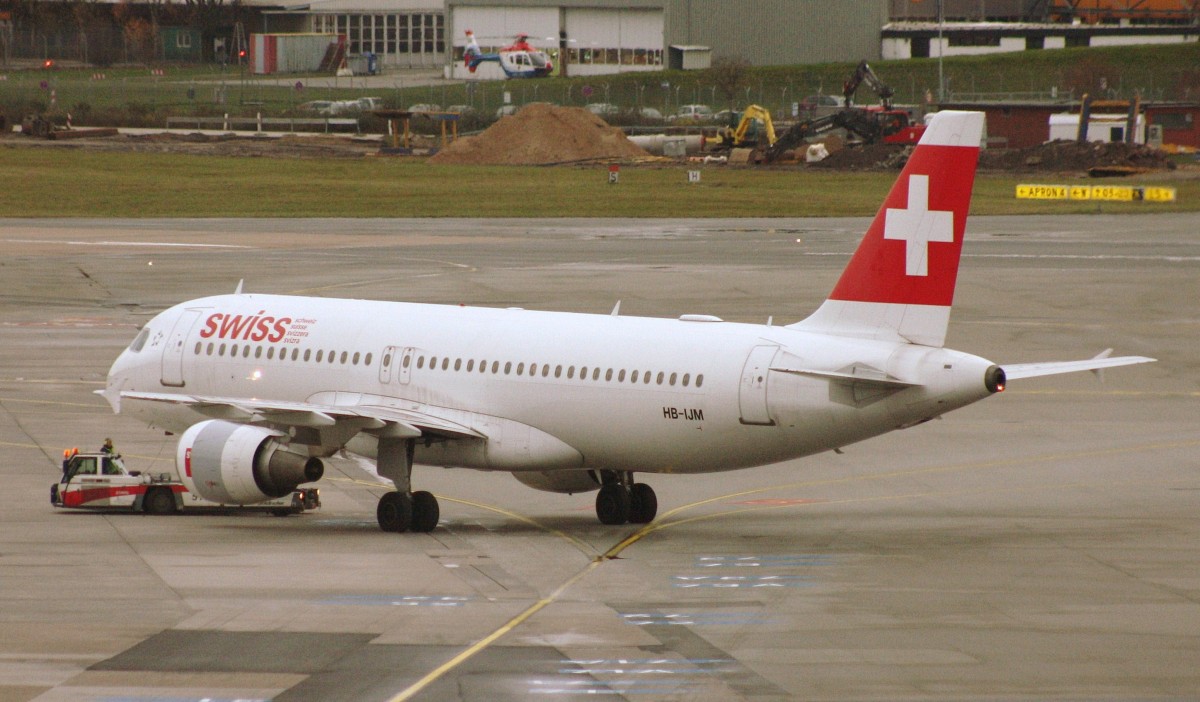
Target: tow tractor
{"points": [[100, 481]]}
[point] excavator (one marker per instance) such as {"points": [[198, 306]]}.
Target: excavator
{"points": [[754, 127], [871, 125]]}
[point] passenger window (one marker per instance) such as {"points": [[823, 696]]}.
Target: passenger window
{"points": [[699, 380], [233, 351], [571, 372], [320, 355], [608, 375], [446, 363], [596, 373], [646, 377], [686, 376], [246, 351], [433, 363], [458, 364], [344, 357], [367, 360], [355, 357], [258, 352], [209, 350], [332, 356], [199, 345], [558, 371], [621, 376], [470, 364], [221, 350], [405, 363], [583, 373], [633, 378], [307, 354], [295, 354], [672, 381], [520, 368], [660, 378], [546, 371], [495, 367], [532, 369], [507, 367]]}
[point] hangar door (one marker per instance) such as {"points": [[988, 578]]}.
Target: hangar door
{"points": [[615, 40], [497, 26]]}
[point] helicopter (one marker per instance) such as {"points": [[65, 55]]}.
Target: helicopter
{"points": [[517, 60]]}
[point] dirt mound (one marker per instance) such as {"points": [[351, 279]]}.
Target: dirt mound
{"points": [[542, 134], [1055, 156], [1072, 156], [871, 157]]}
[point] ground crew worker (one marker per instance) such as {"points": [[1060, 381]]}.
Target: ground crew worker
{"points": [[108, 448]]}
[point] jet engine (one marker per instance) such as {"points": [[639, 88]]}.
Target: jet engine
{"points": [[237, 464], [564, 481]]}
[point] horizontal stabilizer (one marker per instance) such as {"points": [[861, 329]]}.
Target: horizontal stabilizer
{"points": [[1017, 371]]}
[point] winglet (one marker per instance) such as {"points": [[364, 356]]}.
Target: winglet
{"points": [[616, 309], [239, 287]]}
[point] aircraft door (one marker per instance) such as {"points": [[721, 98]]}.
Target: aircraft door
{"points": [[406, 359], [172, 359], [385, 365], [752, 394]]}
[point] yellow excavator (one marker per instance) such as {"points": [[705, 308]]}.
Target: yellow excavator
{"points": [[753, 129]]}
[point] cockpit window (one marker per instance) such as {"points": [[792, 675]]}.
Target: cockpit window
{"points": [[140, 340]]}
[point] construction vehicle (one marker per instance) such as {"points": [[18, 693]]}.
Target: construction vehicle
{"points": [[100, 481], [871, 125], [753, 129]]}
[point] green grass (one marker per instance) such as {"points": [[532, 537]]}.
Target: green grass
{"points": [[1168, 72], [42, 182]]}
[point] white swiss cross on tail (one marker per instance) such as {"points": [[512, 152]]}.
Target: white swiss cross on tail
{"points": [[918, 226], [900, 282]]}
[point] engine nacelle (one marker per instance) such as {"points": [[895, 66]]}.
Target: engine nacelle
{"points": [[565, 481], [237, 464]]}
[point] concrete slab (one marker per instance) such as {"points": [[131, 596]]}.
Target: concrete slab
{"points": [[1042, 544]]}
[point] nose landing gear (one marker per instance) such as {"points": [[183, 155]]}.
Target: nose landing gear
{"points": [[622, 501]]}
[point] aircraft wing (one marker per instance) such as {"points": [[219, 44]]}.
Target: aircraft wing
{"points": [[1103, 360], [386, 421]]}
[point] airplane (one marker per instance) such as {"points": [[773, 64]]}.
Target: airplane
{"points": [[517, 60], [263, 387]]}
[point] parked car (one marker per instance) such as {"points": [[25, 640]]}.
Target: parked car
{"points": [[321, 107], [692, 113], [602, 109], [647, 114], [425, 107], [507, 110], [461, 109]]}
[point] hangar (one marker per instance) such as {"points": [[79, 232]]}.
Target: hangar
{"points": [[593, 37]]}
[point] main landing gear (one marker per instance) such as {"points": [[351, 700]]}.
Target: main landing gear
{"points": [[622, 501], [403, 510]]}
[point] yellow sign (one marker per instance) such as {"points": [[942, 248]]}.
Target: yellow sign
{"points": [[1117, 193], [1111, 193], [1042, 192], [1158, 194]]}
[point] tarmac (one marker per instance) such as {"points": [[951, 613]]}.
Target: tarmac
{"points": [[1042, 544]]}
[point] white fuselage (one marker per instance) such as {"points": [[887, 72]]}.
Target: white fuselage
{"points": [[548, 391]]}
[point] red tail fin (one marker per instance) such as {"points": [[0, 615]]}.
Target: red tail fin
{"points": [[900, 281]]}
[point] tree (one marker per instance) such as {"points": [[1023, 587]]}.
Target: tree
{"points": [[730, 75]]}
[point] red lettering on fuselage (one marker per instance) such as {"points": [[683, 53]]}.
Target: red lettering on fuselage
{"points": [[258, 327]]}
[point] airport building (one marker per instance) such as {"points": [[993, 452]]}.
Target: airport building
{"points": [[596, 36]]}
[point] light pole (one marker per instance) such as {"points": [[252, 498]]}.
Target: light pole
{"points": [[941, 50]]}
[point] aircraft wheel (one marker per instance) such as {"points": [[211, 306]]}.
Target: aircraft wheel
{"points": [[158, 501], [612, 504], [395, 512], [643, 504], [425, 512]]}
